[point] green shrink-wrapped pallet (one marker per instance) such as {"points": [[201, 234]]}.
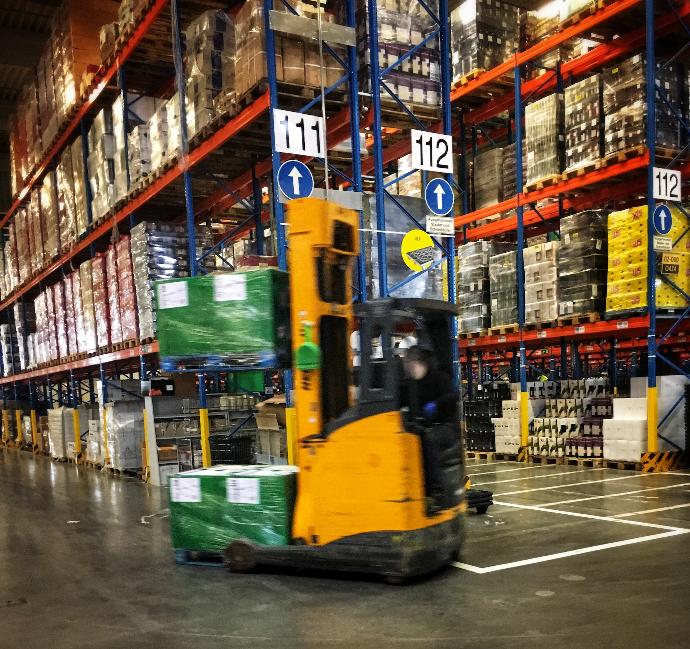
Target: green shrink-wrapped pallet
{"points": [[210, 508], [239, 319]]}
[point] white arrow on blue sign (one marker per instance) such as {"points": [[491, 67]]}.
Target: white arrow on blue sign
{"points": [[439, 197], [662, 219], [295, 179]]}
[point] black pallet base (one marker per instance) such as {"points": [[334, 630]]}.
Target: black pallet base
{"points": [[198, 558]]}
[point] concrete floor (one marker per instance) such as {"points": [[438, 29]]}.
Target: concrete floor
{"points": [[84, 568]]}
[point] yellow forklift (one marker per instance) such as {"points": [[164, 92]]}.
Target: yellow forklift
{"points": [[364, 465]]}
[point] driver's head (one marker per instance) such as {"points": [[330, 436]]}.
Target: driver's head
{"points": [[416, 363]]}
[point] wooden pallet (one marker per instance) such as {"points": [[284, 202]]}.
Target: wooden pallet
{"points": [[621, 156], [622, 466], [505, 80], [122, 473], [94, 465], [581, 318], [575, 18], [540, 459], [581, 171], [473, 334], [504, 329], [666, 153], [125, 344], [585, 462], [542, 183], [480, 455], [540, 325]]}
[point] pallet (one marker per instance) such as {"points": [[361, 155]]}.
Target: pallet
{"points": [[668, 153], [480, 455], [197, 558], [575, 18], [621, 156], [622, 466], [540, 459], [94, 465], [585, 462], [581, 170], [540, 325], [505, 80], [661, 461], [125, 344], [542, 183], [474, 334], [504, 329], [122, 473], [582, 318]]}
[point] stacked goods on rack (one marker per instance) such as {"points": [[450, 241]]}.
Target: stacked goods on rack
{"points": [[507, 426], [509, 169], [544, 142], [625, 435], [584, 132], [473, 289], [245, 320], [488, 178], [541, 282], [484, 33], [59, 428], [9, 348], [626, 288], [399, 269], [503, 287], [125, 425], [211, 508], [582, 263], [625, 105], [49, 98], [479, 411], [402, 25]]}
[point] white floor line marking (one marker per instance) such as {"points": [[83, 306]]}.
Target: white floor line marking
{"points": [[651, 511], [577, 484], [563, 555], [595, 517], [622, 493], [522, 468], [543, 475], [469, 463]]}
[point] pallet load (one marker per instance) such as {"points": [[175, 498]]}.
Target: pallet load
{"points": [[507, 427], [125, 425], [582, 261], [473, 286], [625, 105], [402, 25], [245, 320], [544, 145], [626, 287], [625, 436], [484, 33], [584, 133], [59, 425], [479, 411], [101, 163], [503, 287], [541, 282], [488, 178], [211, 508], [9, 348]]}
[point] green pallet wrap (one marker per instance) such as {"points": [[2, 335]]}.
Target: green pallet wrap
{"points": [[240, 318], [210, 508]]}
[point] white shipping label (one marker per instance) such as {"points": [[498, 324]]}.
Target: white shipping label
{"points": [[231, 287], [173, 295], [245, 491], [185, 490]]}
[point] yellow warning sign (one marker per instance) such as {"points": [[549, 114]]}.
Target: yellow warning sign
{"points": [[417, 250]]}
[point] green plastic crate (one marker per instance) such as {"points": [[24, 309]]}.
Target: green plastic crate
{"points": [[210, 508]]}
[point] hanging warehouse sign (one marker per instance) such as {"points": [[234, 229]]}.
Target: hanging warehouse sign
{"points": [[304, 27]]}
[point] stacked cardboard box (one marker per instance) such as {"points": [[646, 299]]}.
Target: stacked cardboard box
{"points": [[584, 123], [625, 436], [625, 105], [503, 287], [582, 261], [9, 348], [541, 282], [544, 141], [626, 287], [484, 33], [507, 427], [479, 412], [101, 162], [59, 426], [473, 287], [101, 288], [488, 178]]}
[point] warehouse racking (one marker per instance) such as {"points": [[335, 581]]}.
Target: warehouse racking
{"points": [[220, 173]]}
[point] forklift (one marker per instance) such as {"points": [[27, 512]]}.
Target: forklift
{"points": [[366, 467]]}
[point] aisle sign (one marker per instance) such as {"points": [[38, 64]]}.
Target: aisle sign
{"points": [[666, 184], [298, 133], [442, 226], [662, 219], [432, 151], [662, 244], [295, 179], [439, 197]]}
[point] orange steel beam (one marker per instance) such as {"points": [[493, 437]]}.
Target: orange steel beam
{"points": [[101, 79]]}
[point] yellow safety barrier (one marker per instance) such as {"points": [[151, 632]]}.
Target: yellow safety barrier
{"points": [[77, 433], [652, 440], [291, 427], [20, 429], [34, 430], [205, 444]]}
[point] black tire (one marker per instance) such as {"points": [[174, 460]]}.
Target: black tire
{"points": [[482, 509], [240, 557]]}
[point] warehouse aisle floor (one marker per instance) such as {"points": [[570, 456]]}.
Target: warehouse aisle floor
{"points": [[87, 564]]}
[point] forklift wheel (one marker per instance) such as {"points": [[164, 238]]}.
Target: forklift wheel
{"points": [[482, 509], [240, 557]]}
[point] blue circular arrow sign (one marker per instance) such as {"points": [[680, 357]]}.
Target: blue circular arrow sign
{"points": [[295, 179], [662, 219], [438, 195]]}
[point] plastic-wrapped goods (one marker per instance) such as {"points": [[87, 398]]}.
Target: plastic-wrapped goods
{"points": [[210, 508], [49, 218], [70, 317], [488, 178], [12, 278], [113, 290], [22, 243], [60, 321], [59, 422], [65, 199], [473, 290], [625, 105], [582, 263], [80, 216], [139, 148], [87, 304], [484, 33], [510, 187], [39, 346], [125, 423], [25, 324], [541, 282], [127, 299], [245, 319], [544, 137], [626, 288], [51, 326], [38, 258], [503, 287], [584, 132], [79, 316], [3, 284], [428, 284], [101, 162], [101, 306], [10, 350]]}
